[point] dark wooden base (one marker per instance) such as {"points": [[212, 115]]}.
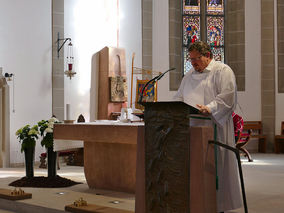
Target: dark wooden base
{"points": [[6, 194], [278, 148], [94, 208]]}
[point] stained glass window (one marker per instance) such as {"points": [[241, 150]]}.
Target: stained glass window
{"points": [[191, 28], [215, 7], [191, 7], [212, 27], [215, 27], [215, 31]]}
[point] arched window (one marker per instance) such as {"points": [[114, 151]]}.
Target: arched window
{"points": [[203, 22]]}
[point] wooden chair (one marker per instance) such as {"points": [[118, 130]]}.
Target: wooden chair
{"points": [[278, 139], [256, 132], [68, 154], [242, 140]]}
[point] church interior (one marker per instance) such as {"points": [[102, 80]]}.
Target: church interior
{"points": [[86, 63]]}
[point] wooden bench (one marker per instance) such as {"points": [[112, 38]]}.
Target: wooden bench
{"points": [[256, 132], [278, 139]]}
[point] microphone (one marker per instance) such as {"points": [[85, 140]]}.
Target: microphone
{"points": [[158, 77]]}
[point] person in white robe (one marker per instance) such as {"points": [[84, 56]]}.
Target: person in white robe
{"points": [[211, 87]]}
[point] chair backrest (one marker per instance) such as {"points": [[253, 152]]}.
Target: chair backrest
{"points": [[282, 128], [254, 126], [243, 138], [238, 123]]}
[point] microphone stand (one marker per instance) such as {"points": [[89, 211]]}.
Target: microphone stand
{"points": [[158, 77]]}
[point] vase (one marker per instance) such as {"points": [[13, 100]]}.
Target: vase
{"points": [[29, 161], [51, 162]]}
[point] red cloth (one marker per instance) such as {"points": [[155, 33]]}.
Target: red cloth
{"points": [[238, 123]]}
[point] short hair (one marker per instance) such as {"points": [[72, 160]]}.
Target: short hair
{"points": [[202, 47]]}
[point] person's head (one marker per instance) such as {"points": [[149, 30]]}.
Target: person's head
{"points": [[200, 55]]}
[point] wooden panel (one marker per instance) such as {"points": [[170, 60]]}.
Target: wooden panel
{"points": [[110, 166], [252, 125], [94, 209], [202, 171], [98, 133]]}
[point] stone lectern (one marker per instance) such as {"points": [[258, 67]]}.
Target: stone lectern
{"points": [[179, 171]]}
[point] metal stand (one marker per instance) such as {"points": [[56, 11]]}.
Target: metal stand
{"points": [[60, 46], [236, 151]]}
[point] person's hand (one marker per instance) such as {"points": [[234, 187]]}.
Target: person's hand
{"points": [[204, 109]]}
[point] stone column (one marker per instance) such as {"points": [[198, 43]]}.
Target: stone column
{"points": [[267, 72], [57, 62], [4, 122], [147, 54], [235, 40]]}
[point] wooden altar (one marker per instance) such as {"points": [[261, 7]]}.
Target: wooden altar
{"points": [[110, 149]]}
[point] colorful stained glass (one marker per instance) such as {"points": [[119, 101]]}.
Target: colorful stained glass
{"points": [[215, 7], [191, 33], [191, 6], [186, 62], [215, 31], [191, 29], [218, 54]]}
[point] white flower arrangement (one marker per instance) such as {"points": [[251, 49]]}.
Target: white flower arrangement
{"points": [[27, 136], [46, 131]]}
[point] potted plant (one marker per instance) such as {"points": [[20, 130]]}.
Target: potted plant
{"points": [[46, 131], [27, 137]]}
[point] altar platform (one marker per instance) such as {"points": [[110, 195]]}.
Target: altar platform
{"points": [[262, 195], [54, 200]]}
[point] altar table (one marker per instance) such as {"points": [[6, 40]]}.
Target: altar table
{"points": [[110, 149]]}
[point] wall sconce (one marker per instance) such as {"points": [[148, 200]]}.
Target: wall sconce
{"points": [[69, 59], [9, 76]]}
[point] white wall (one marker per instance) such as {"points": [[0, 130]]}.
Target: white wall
{"points": [[250, 100], [161, 47], [92, 25], [25, 50]]}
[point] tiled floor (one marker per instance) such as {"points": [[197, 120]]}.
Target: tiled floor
{"points": [[264, 180], [55, 199]]}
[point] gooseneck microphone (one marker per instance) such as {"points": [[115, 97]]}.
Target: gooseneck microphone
{"points": [[157, 78]]}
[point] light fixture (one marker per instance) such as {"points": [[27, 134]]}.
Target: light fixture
{"points": [[9, 76], [69, 72], [69, 62], [60, 193], [115, 201]]}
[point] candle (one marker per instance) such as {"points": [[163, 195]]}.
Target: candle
{"points": [[68, 112]]}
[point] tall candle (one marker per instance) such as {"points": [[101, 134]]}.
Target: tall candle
{"points": [[68, 112]]}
